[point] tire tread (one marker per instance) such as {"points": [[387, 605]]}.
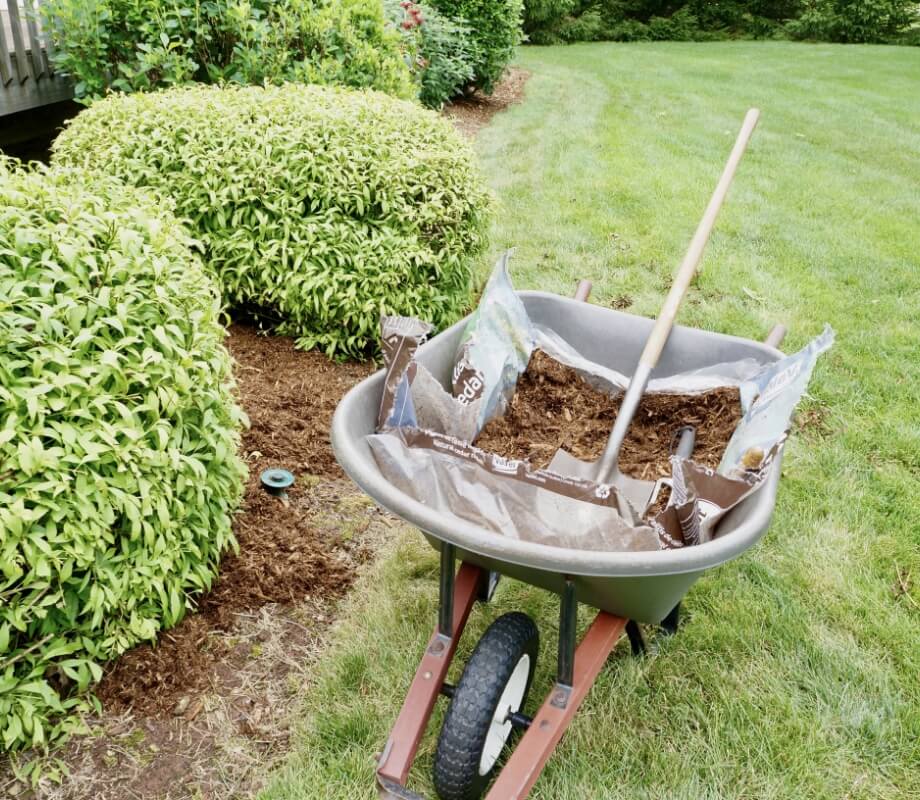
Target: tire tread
{"points": [[459, 749]]}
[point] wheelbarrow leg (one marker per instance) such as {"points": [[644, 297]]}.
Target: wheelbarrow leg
{"points": [[459, 594], [446, 590], [568, 635], [671, 622], [636, 639], [535, 747]]}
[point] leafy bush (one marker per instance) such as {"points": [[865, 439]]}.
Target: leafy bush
{"points": [[496, 29], [549, 21], [846, 21], [441, 49], [118, 436], [327, 207], [543, 18], [132, 45]]}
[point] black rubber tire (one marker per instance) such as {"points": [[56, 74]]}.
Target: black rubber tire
{"points": [[463, 735]]}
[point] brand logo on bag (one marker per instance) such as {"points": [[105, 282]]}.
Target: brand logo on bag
{"points": [[506, 466], [468, 384]]}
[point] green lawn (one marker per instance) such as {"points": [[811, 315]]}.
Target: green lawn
{"points": [[797, 671]]}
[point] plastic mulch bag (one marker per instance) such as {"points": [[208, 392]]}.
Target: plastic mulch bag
{"points": [[505, 495], [424, 432], [700, 497], [495, 348], [769, 399]]}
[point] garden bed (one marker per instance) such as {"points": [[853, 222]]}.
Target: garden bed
{"points": [[283, 556], [471, 114], [206, 711], [222, 680]]}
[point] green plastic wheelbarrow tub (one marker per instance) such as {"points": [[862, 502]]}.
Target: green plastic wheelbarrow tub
{"points": [[643, 586]]}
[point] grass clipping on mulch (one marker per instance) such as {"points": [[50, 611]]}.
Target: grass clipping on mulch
{"points": [[553, 407]]}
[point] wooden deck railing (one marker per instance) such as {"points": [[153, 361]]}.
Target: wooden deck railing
{"points": [[27, 75]]}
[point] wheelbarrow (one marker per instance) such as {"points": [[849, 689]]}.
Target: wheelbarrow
{"points": [[626, 588]]}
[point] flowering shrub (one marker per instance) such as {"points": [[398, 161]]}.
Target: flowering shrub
{"points": [[441, 50]]}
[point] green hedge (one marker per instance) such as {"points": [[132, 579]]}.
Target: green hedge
{"points": [[542, 18], [856, 22], [133, 45], [495, 27], [325, 207], [552, 21], [118, 436]]}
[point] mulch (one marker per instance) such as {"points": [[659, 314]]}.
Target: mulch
{"points": [[283, 556], [553, 407], [472, 113]]}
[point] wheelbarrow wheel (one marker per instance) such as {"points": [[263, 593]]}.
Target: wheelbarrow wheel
{"points": [[476, 728]]}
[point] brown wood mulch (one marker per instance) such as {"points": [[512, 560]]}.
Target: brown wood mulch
{"points": [[553, 407], [472, 113], [290, 397]]}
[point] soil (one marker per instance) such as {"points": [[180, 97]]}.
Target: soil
{"points": [[283, 556], [472, 113], [554, 407]]}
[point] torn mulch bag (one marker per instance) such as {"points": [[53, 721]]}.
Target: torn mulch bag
{"points": [[423, 443]]}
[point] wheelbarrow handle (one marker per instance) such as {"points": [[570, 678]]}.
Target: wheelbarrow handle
{"points": [[776, 336], [583, 291]]}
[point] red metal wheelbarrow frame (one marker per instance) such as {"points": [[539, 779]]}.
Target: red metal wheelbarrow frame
{"points": [[577, 669]]}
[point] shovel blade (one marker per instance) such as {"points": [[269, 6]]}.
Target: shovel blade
{"points": [[638, 493]]}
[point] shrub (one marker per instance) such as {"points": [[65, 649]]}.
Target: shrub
{"points": [[442, 50], [496, 30], [549, 21], [543, 18], [132, 45], [327, 207], [118, 436], [846, 21]]}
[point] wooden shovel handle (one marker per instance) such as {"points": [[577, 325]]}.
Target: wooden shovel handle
{"points": [[688, 267]]}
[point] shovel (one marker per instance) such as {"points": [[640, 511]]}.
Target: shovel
{"points": [[607, 468]]}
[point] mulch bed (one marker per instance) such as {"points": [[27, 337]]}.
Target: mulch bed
{"points": [[554, 407], [471, 114], [290, 397], [283, 556]]}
